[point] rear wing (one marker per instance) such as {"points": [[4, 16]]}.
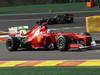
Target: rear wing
{"points": [[18, 30]]}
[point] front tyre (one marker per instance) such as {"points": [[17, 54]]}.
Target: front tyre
{"points": [[12, 44], [63, 43]]}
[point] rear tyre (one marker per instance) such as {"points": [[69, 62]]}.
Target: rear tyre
{"points": [[63, 43], [49, 22], [12, 44], [71, 20]]}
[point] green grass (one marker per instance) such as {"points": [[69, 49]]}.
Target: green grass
{"points": [[46, 6], [50, 71]]}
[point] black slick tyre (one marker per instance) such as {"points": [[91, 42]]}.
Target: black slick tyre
{"points": [[71, 20], [12, 44], [62, 43]]}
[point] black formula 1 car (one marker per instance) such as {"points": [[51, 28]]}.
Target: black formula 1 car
{"points": [[58, 19]]}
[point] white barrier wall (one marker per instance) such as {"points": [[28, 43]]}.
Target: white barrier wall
{"points": [[93, 24]]}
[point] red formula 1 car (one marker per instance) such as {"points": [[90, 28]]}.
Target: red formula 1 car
{"points": [[41, 37]]}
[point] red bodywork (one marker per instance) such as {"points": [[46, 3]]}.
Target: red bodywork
{"points": [[39, 37]]}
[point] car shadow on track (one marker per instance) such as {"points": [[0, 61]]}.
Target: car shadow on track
{"points": [[84, 50], [27, 49], [72, 50]]}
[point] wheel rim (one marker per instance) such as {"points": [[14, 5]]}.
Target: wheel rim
{"points": [[61, 43]]}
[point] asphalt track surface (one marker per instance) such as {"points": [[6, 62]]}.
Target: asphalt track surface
{"points": [[41, 54]]}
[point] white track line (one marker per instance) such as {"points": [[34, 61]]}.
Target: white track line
{"points": [[4, 36], [30, 19]]}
